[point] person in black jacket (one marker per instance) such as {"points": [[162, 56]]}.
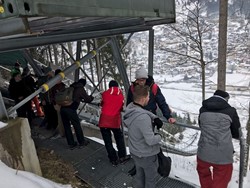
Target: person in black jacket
{"points": [[69, 115], [30, 82], [219, 123], [18, 91]]}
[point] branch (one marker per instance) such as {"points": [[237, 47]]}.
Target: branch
{"points": [[184, 55]]}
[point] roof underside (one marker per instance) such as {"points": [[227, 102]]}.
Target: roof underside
{"points": [[32, 23]]}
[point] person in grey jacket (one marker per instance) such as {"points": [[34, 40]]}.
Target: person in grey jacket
{"points": [[143, 144], [219, 123]]}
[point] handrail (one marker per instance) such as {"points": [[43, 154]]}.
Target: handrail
{"points": [[46, 86], [242, 158]]}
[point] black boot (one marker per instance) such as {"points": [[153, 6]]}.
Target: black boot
{"points": [[132, 171]]}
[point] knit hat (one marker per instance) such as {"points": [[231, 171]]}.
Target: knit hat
{"points": [[141, 73], [113, 83], [46, 70], [14, 72], [221, 93], [82, 81], [57, 71]]}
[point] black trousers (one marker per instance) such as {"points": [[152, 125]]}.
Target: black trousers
{"points": [[69, 116], [25, 111], [107, 137], [51, 116]]}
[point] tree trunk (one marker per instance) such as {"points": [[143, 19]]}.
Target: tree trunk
{"points": [[98, 66], [222, 47], [55, 54], [50, 56], [203, 79], [70, 48], [90, 61]]}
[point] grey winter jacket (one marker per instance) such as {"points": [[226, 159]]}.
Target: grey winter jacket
{"points": [[142, 140], [219, 122]]}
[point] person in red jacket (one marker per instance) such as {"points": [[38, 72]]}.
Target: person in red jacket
{"points": [[110, 120]]}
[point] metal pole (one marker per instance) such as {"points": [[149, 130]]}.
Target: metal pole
{"points": [[120, 63], [78, 55], [151, 52], [242, 158], [46, 86], [73, 59], [33, 64]]}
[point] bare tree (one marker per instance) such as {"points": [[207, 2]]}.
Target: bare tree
{"points": [[189, 35]]}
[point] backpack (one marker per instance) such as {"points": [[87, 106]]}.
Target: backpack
{"points": [[65, 96], [164, 164]]}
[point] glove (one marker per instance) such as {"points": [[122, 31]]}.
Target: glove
{"points": [[158, 134], [158, 123]]}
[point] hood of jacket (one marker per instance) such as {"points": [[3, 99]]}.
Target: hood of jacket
{"points": [[132, 111], [215, 103], [76, 84], [114, 91]]}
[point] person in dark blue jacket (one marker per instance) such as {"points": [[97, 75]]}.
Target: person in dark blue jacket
{"points": [[156, 97]]}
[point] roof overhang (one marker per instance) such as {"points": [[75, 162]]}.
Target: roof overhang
{"points": [[33, 23]]}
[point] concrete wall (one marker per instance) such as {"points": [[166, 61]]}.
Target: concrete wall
{"points": [[17, 149]]}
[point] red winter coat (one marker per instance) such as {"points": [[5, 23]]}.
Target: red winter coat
{"points": [[112, 104]]}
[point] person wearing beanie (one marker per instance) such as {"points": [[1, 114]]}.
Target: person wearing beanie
{"points": [[110, 121], [82, 81], [141, 73], [113, 83], [219, 123], [18, 67], [69, 115], [156, 98], [222, 94]]}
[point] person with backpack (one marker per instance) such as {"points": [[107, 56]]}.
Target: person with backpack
{"points": [[144, 144], [156, 99], [110, 120], [60, 86], [69, 115]]}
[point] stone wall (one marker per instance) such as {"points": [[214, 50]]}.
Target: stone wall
{"points": [[17, 149]]}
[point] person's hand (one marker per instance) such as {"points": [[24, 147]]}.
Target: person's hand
{"points": [[158, 123], [171, 120], [43, 102], [92, 98]]}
